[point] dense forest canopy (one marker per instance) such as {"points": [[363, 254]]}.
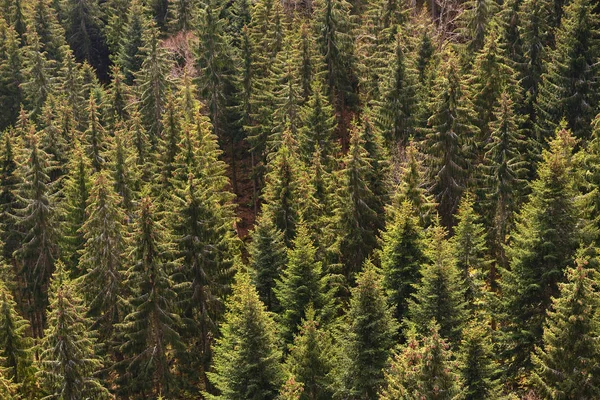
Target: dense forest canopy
{"points": [[299, 199]]}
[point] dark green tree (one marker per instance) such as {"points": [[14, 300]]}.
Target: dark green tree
{"points": [[37, 82], [95, 136], [131, 48], [569, 88], [402, 253], [36, 219], [9, 181], [68, 362], [150, 328], [542, 244], [246, 362], [368, 340], [11, 77], [101, 259], [424, 369], [440, 294], [268, 258], [566, 366]]}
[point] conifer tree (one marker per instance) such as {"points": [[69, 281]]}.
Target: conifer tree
{"points": [[150, 329], [301, 284], [334, 28], [469, 243], [76, 191], [95, 136], [44, 22], [542, 244], [402, 253], [184, 16], [474, 23], [102, 257], [123, 170], [424, 369], [119, 97], [68, 361], [477, 365], [503, 173], [566, 366], [37, 76], [11, 62], [318, 127], [268, 257], [16, 347], [569, 89], [8, 198], [71, 84], [440, 294], [17, 19], [168, 145], [310, 361], [246, 362], [395, 112], [36, 218], [450, 131], [153, 84], [281, 194], [203, 234], [370, 331], [85, 33], [356, 220], [131, 48]]}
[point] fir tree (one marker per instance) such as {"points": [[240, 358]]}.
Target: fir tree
{"points": [[477, 364], [37, 77], [84, 32], [16, 354], [124, 172], [11, 62], [474, 22], [131, 48], [402, 253], [246, 361], [356, 220], [541, 246], [36, 218], [569, 89], [150, 329], [451, 130], [370, 331], [68, 361], [102, 257], [301, 284], [440, 294], [469, 243], [310, 361], [395, 112], [267, 259], [95, 137], [44, 21], [318, 127], [566, 366], [8, 198], [424, 369]]}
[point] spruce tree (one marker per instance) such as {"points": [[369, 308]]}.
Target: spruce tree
{"points": [[101, 260], [369, 338], [451, 130], [566, 365], [440, 294], [542, 244], [16, 347], [44, 21], [95, 136], [333, 25], [131, 48], [68, 362], [268, 257], [318, 127], [11, 77], [504, 170], [356, 221], [153, 84], [477, 364], [123, 170], [474, 23], [301, 284], [569, 88], [402, 253], [9, 181], [395, 112], [37, 82], [76, 191], [470, 250], [310, 361], [85, 33], [424, 369], [246, 361], [150, 329], [36, 218]]}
